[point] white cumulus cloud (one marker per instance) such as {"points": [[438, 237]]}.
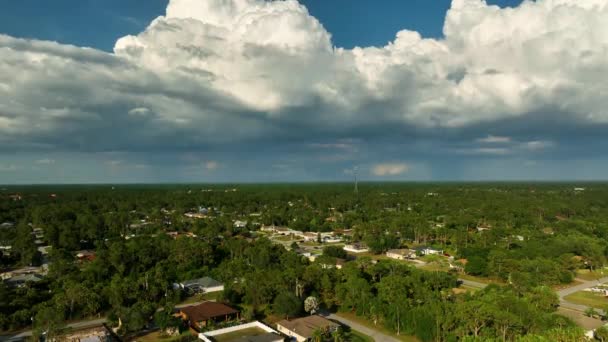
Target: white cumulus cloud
{"points": [[225, 71]]}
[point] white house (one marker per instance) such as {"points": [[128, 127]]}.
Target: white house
{"points": [[401, 254], [240, 224], [357, 247], [269, 335], [429, 251]]}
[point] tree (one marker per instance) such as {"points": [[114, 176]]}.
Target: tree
{"points": [[335, 251], [287, 304], [48, 321], [338, 335], [317, 336], [601, 334], [24, 244], [476, 265], [590, 312], [311, 305]]}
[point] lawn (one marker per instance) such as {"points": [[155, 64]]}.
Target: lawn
{"points": [[591, 299], [480, 279], [155, 336], [591, 275], [435, 267], [356, 336], [380, 328]]}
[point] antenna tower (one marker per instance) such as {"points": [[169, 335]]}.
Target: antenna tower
{"points": [[355, 173]]}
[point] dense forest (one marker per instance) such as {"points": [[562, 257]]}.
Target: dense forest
{"points": [[529, 237]]}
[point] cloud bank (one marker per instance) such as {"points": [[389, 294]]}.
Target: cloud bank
{"points": [[233, 76]]}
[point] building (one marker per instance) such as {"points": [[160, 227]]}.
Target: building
{"points": [[199, 316], [83, 256], [401, 254], [357, 247], [240, 224], [248, 332], [21, 280], [201, 285], [303, 329], [195, 215], [429, 251]]}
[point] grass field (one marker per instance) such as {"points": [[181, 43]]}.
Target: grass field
{"points": [[155, 336], [380, 328], [356, 336], [589, 275], [480, 279], [591, 299]]}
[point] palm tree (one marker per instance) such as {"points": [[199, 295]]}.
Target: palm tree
{"points": [[317, 336], [338, 335]]}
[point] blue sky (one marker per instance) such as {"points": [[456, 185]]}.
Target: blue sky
{"points": [[99, 23], [247, 90]]}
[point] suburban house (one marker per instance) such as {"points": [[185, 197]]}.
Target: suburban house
{"points": [[331, 239], [6, 225], [401, 254], [483, 227], [195, 215], [303, 329], [240, 224], [83, 256], [357, 247], [429, 251], [339, 263], [248, 332], [21, 280], [200, 316], [310, 236], [201, 285]]}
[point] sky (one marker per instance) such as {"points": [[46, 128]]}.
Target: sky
{"points": [[126, 91]]}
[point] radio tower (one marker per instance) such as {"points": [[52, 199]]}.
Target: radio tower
{"points": [[355, 172]]}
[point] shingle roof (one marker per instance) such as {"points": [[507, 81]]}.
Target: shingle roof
{"points": [[306, 326], [207, 310]]}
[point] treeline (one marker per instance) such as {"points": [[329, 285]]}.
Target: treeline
{"points": [[531, 236]]}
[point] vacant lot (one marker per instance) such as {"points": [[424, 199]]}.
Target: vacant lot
{"points": [[594, 300]]}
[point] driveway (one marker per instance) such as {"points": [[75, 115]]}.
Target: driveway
{"points": [[375, 334]]}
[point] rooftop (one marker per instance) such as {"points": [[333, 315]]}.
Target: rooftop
{"points": [[203, 282], [207, 310], [306, 326]]}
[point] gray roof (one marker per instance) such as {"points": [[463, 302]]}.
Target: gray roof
{"points": [[23, 278], [203, 282]]}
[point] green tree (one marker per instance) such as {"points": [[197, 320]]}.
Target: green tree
{"points": [[49, 320], [287, 304]]}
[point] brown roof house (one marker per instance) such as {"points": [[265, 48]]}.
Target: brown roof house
{"points": [[303, 329], [202, 315]]}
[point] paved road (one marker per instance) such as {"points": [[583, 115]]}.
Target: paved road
{"points": [[375, 334], [586, 284], [75, 325], [471, 283], [570, 290]]}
